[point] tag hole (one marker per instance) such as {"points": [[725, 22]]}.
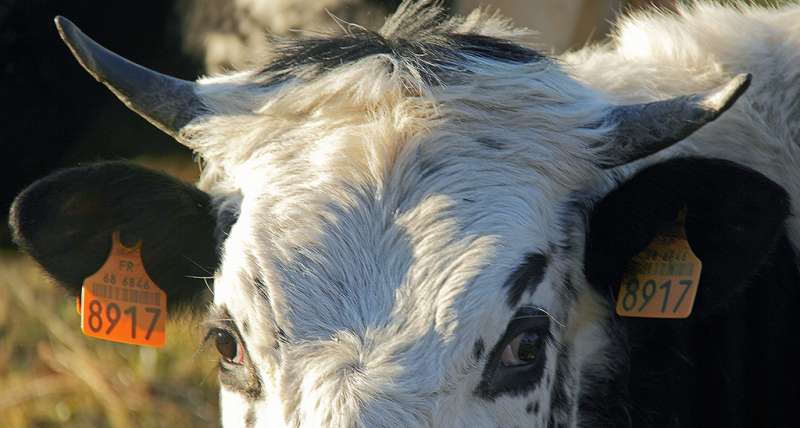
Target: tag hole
{"points": [[127, 239]]}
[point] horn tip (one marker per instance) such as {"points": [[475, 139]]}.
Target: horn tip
{"points": [[60, 20], [65, 27], [142, 90], [77, 42], [738, 85], [724, 97]]}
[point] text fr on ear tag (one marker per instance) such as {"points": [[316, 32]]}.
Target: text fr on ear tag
{"points": [[121, 303], [662, 280]]}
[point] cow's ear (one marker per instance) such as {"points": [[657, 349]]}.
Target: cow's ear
{"points": [[66, 221], [734, 217]]}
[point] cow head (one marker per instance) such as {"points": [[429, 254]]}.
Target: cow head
{"points": [[401, 224]]}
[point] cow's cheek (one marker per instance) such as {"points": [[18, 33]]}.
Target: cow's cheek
{"points": [[234, 408]]}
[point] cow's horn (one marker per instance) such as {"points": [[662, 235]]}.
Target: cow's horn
{"points": [[166, 102], [643, 129]]}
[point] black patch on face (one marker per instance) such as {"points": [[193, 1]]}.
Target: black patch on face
{"points": [[526, 277], [477, 349], [435, 56], [529, 408]]}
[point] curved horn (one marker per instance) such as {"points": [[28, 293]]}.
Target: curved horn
{"points": [[643, 129], [166, 102]]}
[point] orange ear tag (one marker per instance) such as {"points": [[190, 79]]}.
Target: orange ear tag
{"points": [[120, 302], [662, 280]]}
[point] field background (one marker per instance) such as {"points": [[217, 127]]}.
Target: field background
{"points": [[50, 374]]}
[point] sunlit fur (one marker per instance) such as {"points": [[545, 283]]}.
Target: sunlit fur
{"points": [[380, 216]]}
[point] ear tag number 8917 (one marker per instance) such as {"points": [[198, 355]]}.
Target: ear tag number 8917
{"points": [[662, 280], [120, 302]]}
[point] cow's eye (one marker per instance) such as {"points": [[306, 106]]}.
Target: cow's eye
{"points": [[523, 349], [518, 360], [228, 347]]}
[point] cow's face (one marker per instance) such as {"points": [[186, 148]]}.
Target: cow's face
{"points": [[391, 282], [399, 234]]}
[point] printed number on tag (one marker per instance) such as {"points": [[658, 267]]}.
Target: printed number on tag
{"points": [[121, 303], [662, 280], [665, 297]]}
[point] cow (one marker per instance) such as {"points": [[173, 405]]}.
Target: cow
{"points": [[428, 225]]}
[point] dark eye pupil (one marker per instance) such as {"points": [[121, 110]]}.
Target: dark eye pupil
{"points": [[529, 347], [226, 344]]}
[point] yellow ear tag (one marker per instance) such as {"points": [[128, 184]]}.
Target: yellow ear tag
{"points": [[120, 302], [662, 280]]}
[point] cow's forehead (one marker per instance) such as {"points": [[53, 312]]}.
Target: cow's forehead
{"points": [[417, 242]]}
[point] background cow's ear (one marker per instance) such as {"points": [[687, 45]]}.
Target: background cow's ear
{"points": [[66, 220], [734, 218]]}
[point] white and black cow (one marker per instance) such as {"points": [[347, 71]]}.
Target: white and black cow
{"points": [[427, 225]]}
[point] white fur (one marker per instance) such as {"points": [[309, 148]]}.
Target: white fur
{"points": [[383, 229]]}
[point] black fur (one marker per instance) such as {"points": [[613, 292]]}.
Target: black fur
{"points": [[65, 221], [733, 362], [311, 57], [477, 349], [526, 277]]}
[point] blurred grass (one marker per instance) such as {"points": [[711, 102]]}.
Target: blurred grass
{"points": [[51, 375]]}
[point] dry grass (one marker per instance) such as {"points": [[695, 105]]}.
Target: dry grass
{"points": [[52, 375]]}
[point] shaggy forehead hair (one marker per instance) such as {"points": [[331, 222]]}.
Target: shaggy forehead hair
{"points": [[420, 73], [382, 176]]}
